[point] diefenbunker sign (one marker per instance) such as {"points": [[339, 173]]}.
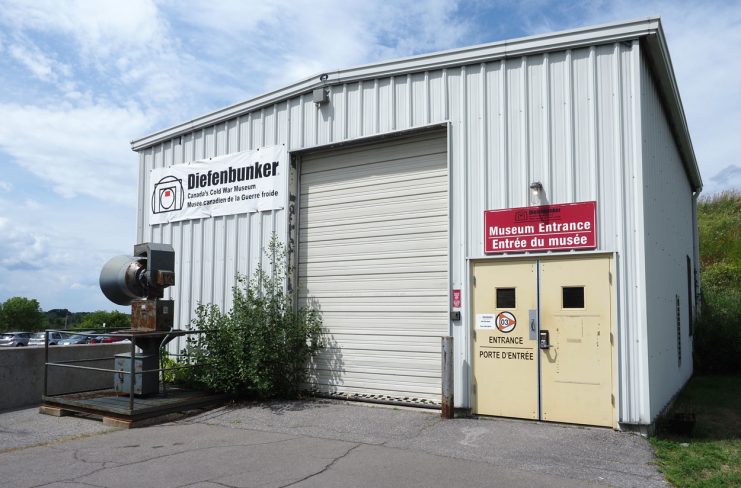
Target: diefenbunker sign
{"points": [[248, 181]]}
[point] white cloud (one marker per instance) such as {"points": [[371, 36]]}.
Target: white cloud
{"points": [[265, 45], [79, 150], [98, 28], [100, 32], [21, 248], [5, 186], [34, 60]]}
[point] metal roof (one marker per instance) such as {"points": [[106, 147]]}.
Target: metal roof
{"points": [[648, 30]]}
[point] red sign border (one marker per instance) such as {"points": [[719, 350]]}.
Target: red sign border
{"points": [[562, 248]]}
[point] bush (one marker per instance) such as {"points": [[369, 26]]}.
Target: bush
{"points": [[262, 346], [717, 344], [101, 319]]}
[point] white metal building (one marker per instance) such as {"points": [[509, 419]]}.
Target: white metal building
{"points": [[390, 176]]}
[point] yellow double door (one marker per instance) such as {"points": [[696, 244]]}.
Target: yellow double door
{"points": [[543, 339]]}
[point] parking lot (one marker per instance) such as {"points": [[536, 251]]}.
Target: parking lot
{"points": [[60, 338], [318, 443]]}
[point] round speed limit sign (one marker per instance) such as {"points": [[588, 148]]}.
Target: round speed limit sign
{"points": [[506, 322]]}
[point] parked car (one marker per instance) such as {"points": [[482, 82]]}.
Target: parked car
{"points": [[109, 339], [39, 337], [14, 339], [80, 338]]}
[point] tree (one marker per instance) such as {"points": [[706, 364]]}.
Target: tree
{"points": [[19, 313], [101, 319]]}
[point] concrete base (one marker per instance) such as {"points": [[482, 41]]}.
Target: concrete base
{"points": [[640, 429]]}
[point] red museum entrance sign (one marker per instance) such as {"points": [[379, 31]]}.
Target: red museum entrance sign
{"points": [[544, 228]]}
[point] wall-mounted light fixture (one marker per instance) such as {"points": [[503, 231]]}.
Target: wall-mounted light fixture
{"points": [[537, 194], [320, 96]]}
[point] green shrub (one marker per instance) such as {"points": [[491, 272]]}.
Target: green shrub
{"points": [[719, 222], [717, 344], [180, 374], [262, 346]]}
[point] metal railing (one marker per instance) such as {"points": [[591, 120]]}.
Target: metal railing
{"points": [[132, 337]]}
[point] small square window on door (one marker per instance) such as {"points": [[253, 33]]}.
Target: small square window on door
{"points": [[505, 298], [572, 297]]}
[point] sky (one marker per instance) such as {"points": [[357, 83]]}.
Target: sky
{"points": [[81, 79]]}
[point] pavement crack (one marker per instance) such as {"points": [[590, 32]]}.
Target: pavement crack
{"points": [[52, 443], [420, 431], [325, 468], [222, 484], [200, 449]]}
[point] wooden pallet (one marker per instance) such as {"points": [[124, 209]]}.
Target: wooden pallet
{"points": [[113, 408], [115, 421]]}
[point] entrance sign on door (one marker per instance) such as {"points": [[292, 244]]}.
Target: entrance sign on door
{"points": [[485, 321], [542, 228]]}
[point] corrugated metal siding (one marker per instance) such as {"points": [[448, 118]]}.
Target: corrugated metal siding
{"points": [[373, 257], [669, 240], [566, 118]]}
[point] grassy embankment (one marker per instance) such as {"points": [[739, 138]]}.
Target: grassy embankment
{"points": [[711, 457]]}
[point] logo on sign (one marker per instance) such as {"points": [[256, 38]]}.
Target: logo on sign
{"points": [[168, 195], [506, 322]]}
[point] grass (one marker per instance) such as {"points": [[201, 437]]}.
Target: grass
{"points": [[711, 457]]}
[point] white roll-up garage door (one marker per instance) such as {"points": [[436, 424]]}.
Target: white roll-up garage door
{"points": [[373, 257]]}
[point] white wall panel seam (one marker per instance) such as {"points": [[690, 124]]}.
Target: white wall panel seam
{"points": [[484, 147], [361, 113], [315, 118], [428, 102], [620, 315], [503, 136], [461, 189], [633, 390], [571, 164], [546, 113], [410, 102], [392, 103], [593, 132], [446, 101], [524, 131], [640, 379], [142, 195]]}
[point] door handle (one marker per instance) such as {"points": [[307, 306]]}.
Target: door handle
{"points": [[533, 321], [544, 340]]}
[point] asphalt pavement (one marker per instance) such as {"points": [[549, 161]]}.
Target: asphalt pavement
{"points": [[320, 443]]}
